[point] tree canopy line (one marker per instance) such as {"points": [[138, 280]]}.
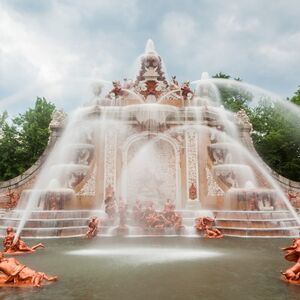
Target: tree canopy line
{"points": [[276, 132]]}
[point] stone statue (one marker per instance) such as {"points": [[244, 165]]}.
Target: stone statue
{"points": [[117, 89], [292, 253], [174, 85], [169, 206], [110, 207], [205, 225], [17, 274], [58, 119], [18, 246], [14, 198], [92, 228], [152, 220], [186, 91]]}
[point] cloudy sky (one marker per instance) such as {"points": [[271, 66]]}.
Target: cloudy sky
{"points": [[56, 49]]}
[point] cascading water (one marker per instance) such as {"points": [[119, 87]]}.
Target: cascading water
{"points": [[153, 139]]}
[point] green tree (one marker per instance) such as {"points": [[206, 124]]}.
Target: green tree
{"points": [[23, 141], [233, 96], [276, 137], [276, 133], [296, 98]]}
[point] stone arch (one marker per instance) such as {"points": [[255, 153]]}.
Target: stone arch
{"points": [[156, 136]]}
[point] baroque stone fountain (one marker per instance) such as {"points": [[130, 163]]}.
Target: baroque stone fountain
{"points": [[150, 139]]}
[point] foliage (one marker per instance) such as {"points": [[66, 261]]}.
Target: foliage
{"points": [[296, 98], [276, 138], [233, 97], [276, 133], [24, 139]]}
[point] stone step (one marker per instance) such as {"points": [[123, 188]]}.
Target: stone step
{"points": [[70, 223], [255, 223], [266, 232], [40, 223], [55, 214], [262, 215]]}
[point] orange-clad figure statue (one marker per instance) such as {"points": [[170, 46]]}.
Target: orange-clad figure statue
{"points": [[205, 225], [19, 246], [202, 222], [292, 253], [13, 199], [93, 225], [177, 221], [15, 274], [169, 206], [213, 233]]}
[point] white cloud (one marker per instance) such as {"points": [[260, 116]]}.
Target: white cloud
{"points": [[179, 29], [54, 55], [57, 48], [232, 24]]}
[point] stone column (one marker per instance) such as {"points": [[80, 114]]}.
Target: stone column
{"points": [[110, 161], [192, 171]]}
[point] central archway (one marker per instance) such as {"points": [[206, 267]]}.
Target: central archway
{"points": [[151, 169]]}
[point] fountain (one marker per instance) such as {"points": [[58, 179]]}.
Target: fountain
{"points": [[146, 141]]}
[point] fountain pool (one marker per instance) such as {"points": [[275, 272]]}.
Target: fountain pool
{"points": [[160, 268]]}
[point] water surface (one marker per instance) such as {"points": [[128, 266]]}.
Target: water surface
{"points": [[160, 268]]}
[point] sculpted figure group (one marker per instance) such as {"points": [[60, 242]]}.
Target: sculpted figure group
{"points": [[14, 273], [150, 219], [204, 225]]}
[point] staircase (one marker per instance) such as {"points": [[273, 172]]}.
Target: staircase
{"points": [[73, 223], [273, 224]]}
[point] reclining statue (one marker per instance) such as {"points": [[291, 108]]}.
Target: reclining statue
{"points": [[205, 225], [17, 274], [16, 246], [292, 253]]}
